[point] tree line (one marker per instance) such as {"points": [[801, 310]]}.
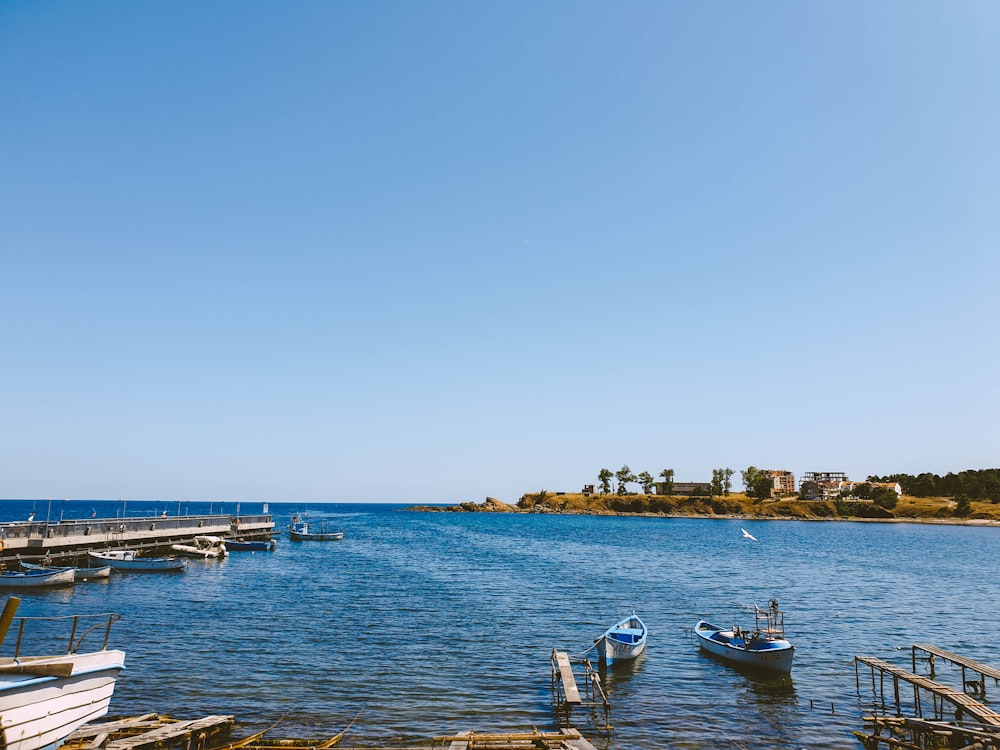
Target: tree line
{"points": [[721, 483], [979, 484]]}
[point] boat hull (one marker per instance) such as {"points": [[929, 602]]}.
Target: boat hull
{"points": [[622, 641], [771, 655], [131, 563], [37, 578], [330, 536], [39, 711], [239, 545]]}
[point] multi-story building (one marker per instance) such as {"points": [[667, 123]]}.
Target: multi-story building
{"points": [[828, 482], [783, 482]]}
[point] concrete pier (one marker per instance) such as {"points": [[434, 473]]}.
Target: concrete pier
{"points": [[71, 539]]}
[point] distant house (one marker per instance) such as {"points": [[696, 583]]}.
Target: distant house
{"points": [[588, 489], [850, 486], [684, 488]]}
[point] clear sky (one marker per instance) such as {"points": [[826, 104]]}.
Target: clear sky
{"points": [[437, 251]]}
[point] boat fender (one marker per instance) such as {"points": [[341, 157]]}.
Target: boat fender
{"points": [[2, 545]]}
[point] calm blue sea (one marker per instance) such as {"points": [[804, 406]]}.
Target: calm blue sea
{"points": [[420, 624]]}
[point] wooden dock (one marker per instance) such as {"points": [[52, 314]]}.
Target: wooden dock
{"points": [[159, 732], [963, 704], [978, 687], [566, 693], [70, 540]]}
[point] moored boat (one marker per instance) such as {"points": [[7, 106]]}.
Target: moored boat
{"points": [[300, 531], [79, 574], [36, 578], [127, 560], [250, 545], [625, 639], [764, 647], [43, 699], [203, 547]]}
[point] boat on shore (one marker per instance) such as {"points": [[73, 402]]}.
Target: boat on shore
{"points": [[300, 530], [250, 545], [203, 547], [43, 699], [764, 647], [626, 639], [33, 579], [127, 560]]}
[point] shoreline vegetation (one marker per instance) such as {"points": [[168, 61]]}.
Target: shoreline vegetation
{"points": [[735, 505]]}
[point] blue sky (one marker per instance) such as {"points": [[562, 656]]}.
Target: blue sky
{"points": [[438, 251]]}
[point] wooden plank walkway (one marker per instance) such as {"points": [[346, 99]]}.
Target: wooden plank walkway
{"points": [[983, 670], [565, 739], [194, 734], [965, 703], [570, 689]]}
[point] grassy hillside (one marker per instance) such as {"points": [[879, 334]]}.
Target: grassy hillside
{"points": [[738, 504]]}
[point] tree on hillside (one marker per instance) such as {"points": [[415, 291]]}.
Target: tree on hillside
{"points": [[646, 480], [884, 497], [758, 484], [963, 506], [722, 481], [668, 481], [810, 489], [604, 476], [624, 476], [716, 485]]}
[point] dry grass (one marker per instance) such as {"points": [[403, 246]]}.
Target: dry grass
{"points": [[739, 505]]}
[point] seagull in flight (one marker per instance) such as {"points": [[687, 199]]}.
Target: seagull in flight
{"points": [[748, 535]]}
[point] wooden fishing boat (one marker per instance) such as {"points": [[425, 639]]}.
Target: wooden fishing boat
{"points": [[43, 699], [203, 547], [127, 560], [79, 574], [625, 639], [250, 545], [31, 579], [301, 531], [764, 647]]}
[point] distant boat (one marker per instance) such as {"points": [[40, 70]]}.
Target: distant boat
{"points": [[31, 579], [43, 699], [301, 531], [203, 547], [625, 639], [764, 647], [128, 560], [250, 545]]}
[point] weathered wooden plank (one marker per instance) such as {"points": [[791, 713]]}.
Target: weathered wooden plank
{"points": [[160, 735], [570, 690], [119, 725], [968, 704], [983, 669]]}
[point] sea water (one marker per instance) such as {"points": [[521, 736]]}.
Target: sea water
{"points": [[420, 624]]}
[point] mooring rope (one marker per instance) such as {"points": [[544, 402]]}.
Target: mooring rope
{"points": [[585, 651], [340, 736]]}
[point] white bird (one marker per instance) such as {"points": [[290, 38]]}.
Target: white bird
{"points": [[748, 535]]}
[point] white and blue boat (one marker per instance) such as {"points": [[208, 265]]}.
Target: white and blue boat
{"points": [[625, 639], [43, 699], [764, 647]]}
